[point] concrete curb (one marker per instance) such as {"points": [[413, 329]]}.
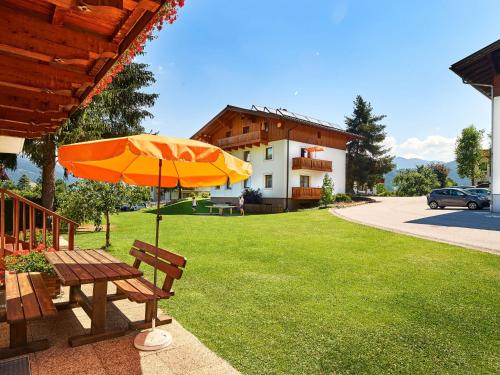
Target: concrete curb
{"points": [[336, 213]]}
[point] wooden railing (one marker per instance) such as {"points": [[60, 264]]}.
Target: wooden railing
{"points": [[306, 193], [312, 164], [243, 140], [25, 216]]}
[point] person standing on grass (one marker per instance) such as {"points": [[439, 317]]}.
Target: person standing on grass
{"points": [[242, 205], [194, 204]]}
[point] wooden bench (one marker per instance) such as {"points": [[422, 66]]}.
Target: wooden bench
{"points": [[141, 290], [26, 299]]}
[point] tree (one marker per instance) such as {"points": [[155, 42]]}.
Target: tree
{"points": [[367, 159], [441, 171], [24, 183], [7, 161], [117, 111], [468, 153], [90, 201], [415, 182], [327, 196]]}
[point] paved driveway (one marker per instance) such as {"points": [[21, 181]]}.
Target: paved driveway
{"points": [[474, 229]]}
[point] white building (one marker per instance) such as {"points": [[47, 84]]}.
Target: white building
{"points": [[289, 153]]}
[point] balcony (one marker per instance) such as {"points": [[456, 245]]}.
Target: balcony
{"points": [[306, 193], [312, 164], [243, 140]]}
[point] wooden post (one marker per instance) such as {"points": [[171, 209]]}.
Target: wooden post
{"points": [[2, 225], [99, 301], [15, 224], [44, 228], [32, 227], [55, 232], [71, 235], [23, 205]]}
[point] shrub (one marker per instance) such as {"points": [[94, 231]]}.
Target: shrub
{"points": [[252, 196], [381, 189], [340, 197], [415, 182], [327, 196], [205, 195], [29, 261]]}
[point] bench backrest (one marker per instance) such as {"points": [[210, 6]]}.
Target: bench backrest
{"points": [[169, 263]]}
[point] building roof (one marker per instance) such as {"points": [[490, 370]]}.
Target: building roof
{"points": [[279, 113], [56, 54], [480, 67]]}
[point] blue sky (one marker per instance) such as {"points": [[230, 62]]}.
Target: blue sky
{"points": [[314, 57]]}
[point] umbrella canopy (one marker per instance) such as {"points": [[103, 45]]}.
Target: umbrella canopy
{"points": [[134, 160]]}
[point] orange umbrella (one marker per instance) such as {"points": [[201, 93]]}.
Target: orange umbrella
{"points": [[152, 160], [135, 160]]}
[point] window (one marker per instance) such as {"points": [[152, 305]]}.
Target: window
{"points": [[246, 183], [268, 181], [228, 184], [228, 134], [304, 181], [269, 153], [246, 129], [246, 155]]}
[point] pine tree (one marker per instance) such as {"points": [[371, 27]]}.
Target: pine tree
{"points": [[24, 182], [117, 111], [367, 159], [327, 196]]}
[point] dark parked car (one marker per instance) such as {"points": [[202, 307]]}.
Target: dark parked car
{"points": [[479, 191], [441, 198]]}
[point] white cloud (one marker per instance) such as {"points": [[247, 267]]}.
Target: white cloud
{"points": [[295, 93], [339, 12], [434, 147]]}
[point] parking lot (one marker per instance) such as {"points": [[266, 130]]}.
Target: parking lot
{"points": [[475, 229]]}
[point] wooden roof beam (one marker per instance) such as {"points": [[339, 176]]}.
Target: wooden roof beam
{"points": [[41, 37], [42, 97], [68, 4], [12, 125], [23, 134], [32, 117], [10, 99], [42, 76]]}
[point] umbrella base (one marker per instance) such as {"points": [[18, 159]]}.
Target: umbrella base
{"points": [[155, 339]]}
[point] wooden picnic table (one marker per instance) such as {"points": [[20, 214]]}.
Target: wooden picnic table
{"points": [[221, 208], [97, 267]]}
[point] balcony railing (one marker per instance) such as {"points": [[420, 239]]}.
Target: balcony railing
{"points": [[312, 164], [306, 193], [243, 140]]}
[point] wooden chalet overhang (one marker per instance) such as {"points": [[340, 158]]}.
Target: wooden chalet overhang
{"points": [[481, 68], [54, 53], [263, 112]]}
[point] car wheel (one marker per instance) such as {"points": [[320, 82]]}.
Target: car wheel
{"points": [[433, 205], [472, 206]]}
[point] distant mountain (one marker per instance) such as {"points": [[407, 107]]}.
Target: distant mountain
{"points": [[403, 163], [25, 166]]}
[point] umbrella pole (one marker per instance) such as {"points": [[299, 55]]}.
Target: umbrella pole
{"points": [[154, 339], [157, 237]]}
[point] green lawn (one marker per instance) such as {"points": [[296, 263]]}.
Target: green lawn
{"points": [[308, 293]]}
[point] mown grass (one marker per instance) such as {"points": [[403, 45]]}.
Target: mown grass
{"points": [[308, 293]]}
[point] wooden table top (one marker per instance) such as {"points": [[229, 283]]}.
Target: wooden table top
{"points": [[78, 267]]}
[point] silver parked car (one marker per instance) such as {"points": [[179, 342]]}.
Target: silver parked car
{"points": [[483, 192], [453, 197]]}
